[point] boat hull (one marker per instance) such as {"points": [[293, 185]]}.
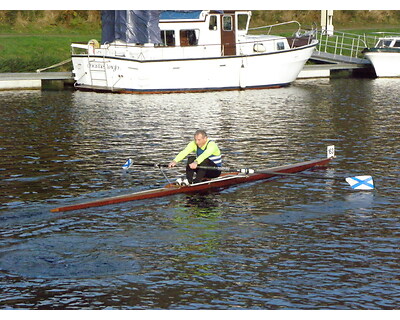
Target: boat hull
{"points": [[124, 75], [221, 182], [386, 62]]}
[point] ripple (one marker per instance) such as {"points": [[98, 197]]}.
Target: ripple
{"points": [[57, 257], [281, 244]]}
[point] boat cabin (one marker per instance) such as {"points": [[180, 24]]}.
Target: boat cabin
{"points": [[223, 29], [191, 35]]}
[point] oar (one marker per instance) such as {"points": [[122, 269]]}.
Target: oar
{"points": [[129, 163], [357, 182], [364, 182]]}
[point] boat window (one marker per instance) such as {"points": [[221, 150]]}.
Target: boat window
{"points": [[189, 37], [168, 38], [280, 45], [213, 23], [387, 43], [242, 21], [384, 43], [227, 23], [397, 44]]}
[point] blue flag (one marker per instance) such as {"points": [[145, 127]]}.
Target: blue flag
{"points": [[361, 182]]}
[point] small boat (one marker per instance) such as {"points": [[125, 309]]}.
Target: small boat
{"points": [[188, 51], [385, 56], [225, 180]]}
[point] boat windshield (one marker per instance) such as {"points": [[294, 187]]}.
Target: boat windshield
{"points": [[384, 43]]}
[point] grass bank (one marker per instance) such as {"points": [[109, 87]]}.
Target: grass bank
{"points": [[31, 40], [27, 52], [35, 39]]}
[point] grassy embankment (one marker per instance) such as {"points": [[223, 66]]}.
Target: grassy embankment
{"points": [[31, 40]]}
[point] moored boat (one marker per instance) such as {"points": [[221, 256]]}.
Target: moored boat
{"points": [[385, 56], [187, 51], [225, 180]]}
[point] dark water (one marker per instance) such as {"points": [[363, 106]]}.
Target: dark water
{"points": [[289, 243]]}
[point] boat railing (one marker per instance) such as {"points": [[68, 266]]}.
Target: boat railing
{"points": [[385, 34], [343, 43], [269, 27], [299, 37]]}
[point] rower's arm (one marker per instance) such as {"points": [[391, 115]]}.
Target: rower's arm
{"points": [[191, 147]]}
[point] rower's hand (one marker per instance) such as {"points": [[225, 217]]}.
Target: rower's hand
{"points": [[172, 164], [193, 165]]}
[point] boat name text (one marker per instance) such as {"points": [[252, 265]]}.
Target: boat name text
{"points": [[99, 65]]}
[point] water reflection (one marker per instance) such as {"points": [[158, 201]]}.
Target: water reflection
{"points": [[285, 243]]}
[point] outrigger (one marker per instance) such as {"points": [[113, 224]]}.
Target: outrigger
{"points": [[225, 180]]}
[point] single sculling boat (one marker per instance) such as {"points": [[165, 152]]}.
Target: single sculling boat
{"points": [[226, 180]]}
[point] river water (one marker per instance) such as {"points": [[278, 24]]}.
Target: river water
{"points": [[289, 243]]}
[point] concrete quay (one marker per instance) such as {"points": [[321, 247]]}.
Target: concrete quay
{"points": [[324, 70], [35, 80]]}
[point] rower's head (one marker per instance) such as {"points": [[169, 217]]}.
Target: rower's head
{"points": [[200, 137]]}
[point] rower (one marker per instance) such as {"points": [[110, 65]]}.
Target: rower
{"points": [[207, 155]]}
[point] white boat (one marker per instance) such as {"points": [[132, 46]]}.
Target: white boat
{"points": [[385, 56], [187, 51]]}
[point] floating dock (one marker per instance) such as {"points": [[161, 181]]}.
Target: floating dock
{"points": [[324, 70], [35, 80]]}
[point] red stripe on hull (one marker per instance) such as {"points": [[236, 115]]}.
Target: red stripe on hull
{"points": [[224, 181]]}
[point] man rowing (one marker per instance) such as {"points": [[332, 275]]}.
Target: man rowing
{"points": [[207, 155]]}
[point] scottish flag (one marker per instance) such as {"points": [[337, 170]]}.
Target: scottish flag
{"points": [[127, 164], [361, 182]]}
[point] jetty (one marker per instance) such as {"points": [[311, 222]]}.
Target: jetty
{"points": [[339, 51], [35, 80]]}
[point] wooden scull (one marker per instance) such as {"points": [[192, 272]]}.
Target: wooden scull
{"points": [[225, 180]]}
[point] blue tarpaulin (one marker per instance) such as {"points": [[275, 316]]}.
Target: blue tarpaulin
{"points": [[131, 26]]}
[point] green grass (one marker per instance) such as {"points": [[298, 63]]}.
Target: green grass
{"points": [[29, 52], [35, 39]]}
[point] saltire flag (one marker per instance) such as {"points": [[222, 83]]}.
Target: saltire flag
{"points": [[361, 182], [127, 164]]}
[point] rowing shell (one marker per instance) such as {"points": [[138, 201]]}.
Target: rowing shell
{"points": [[224, 180]]}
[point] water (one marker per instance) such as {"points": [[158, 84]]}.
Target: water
{"points": [[289, 243]]}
